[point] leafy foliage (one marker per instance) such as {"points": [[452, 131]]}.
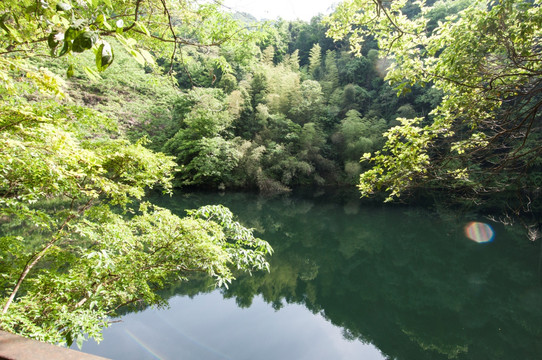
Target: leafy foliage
{"points": [[75, 27], [118, 262], [73, 247], [486, 62]]}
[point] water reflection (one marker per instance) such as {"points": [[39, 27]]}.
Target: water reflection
{"points": [[209, 327], [404, 281]]}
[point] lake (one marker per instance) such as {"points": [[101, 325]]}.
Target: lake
{"points": [[350, 280]]}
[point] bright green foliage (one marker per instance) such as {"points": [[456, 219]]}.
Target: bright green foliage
{"points": [[361, 134], [357, 135], [268, 55], [276, 106], [211, 160], [61, 173], [303, 36], [285, 120], [42, 157], [116, 262], [404, 156], [228, 82], [264, 106], [277, 36], [202, 146], [315, 60], [292, 61], [273, 87], [306, 104], [486, 60], [282, 88], [73, 247], [64, 28], [271, 101], [331, 75]]}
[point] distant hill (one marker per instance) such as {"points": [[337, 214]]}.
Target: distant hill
{"points": [[244, 17]]}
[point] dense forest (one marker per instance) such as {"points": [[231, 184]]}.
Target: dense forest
{"points": [[284, 105], [290, 107], [103, 99]]}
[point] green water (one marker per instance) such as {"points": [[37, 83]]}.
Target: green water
{"points": [[350, 281]]}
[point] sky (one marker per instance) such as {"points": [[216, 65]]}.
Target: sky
{"points": [[286, 9]]}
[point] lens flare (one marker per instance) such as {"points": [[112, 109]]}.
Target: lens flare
{"points": [[140, 342], [479, 232]]}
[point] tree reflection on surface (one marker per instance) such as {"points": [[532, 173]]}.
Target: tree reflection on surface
{"points": [[403, 279]]}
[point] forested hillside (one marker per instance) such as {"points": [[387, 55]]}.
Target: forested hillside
{"points": [[286, 107]]}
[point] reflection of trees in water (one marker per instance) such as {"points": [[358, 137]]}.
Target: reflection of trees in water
{"points": [[402, 279]]}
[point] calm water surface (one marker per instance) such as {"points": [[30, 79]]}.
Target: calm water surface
{"points": [[350, 281]]}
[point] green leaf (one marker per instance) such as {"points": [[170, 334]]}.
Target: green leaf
{"points": [[104, 56], [102, 20], [52, 41], [93, 75], [79, 24], [3, 19], [12, 32], [65, 48], [84, 41], [137, 56], [147, 56], [143, 28], [79, 341], [70, 34]]}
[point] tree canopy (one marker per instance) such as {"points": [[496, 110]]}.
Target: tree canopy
{"points": [[486, 60], [76, 242]]}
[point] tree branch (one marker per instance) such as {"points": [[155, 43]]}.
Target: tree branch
{"points": [[38, 256]]}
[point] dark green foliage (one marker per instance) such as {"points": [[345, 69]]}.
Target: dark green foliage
{"points": [[405, 279], [483, 59]]}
